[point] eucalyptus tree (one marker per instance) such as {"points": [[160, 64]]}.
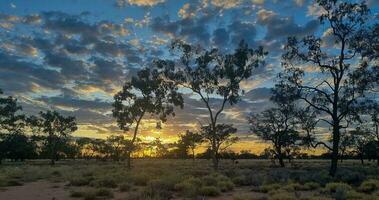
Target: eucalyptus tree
{"points": [[334, 77], [146, 93], [213, 76], [12, 124], [219, 138], [191, 140], [57, 128]]}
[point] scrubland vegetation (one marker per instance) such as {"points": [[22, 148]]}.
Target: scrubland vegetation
{"points": [[185, 179]]}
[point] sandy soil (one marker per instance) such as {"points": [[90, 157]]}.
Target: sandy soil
{"points": [[40, 190]]}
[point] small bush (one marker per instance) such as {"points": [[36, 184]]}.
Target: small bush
{"points": [[103, 192], [158, 189], [88, 194], [209, 191], [283, 195], [125, 187], [140, 179], [269, 187], [311, 186], [334, 187], [13, 183], [225, 186], [79, 181], [104, 182], [369, 186], [188, 187]]}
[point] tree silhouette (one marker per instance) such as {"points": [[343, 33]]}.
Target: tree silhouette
{"points": [[208, 74], [219, 140], [190, 141], [12, 125], [145, 93], [341, 84], [57, 128]]}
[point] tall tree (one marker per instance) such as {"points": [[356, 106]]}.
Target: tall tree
{"points": [[341, 72], [191, 140], [145, 93], [57, 128], [212, 76], [11, 123], [219, 140], [279, 124], [276, 125]]}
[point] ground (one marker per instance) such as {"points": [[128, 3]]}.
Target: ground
{"points": [[184, 179]]}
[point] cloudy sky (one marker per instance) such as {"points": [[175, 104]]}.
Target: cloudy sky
{"points": [[73, 55]]}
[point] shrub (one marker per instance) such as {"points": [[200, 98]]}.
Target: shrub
{"points": [[104, 182], [334, 187], [209, 180], [269, 187], [103, 192], [88, 194], [369, 186], [311, 186], [124, 187], [283, 195], [350, 177], [158, 189], [225, 186], [188, 187], [79, 181], [209, 191], [140, 179], [13, 183]]}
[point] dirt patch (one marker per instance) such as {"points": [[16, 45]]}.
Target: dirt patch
{"points": [[40, 190]]}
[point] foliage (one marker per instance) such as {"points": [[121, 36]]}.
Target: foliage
{"points": [[208, 72], [342, 85]]}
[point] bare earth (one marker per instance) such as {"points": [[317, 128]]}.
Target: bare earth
{"points": [[40, 190]]}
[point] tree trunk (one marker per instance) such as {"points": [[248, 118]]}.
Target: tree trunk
{"points": [[361, 157], [129, 160], [336, 139], [215, 159]]}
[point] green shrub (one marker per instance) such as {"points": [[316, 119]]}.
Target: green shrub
{"points": [[103, 192], [209, 180], [13, 183], [282, 195], [369, 186], [79, 181], [269, 187], [87, 194], [209, 191], [124, 187], [311, 186], [334, 187], [104, 182], [159, 189], [140, 179], [225, 186], [188, 187]]}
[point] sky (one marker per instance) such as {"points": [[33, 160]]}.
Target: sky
{"points": [[74, 55]]}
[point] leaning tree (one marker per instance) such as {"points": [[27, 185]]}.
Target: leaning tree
{"points": [[145, 93], [334, 77], [214, 77]]}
